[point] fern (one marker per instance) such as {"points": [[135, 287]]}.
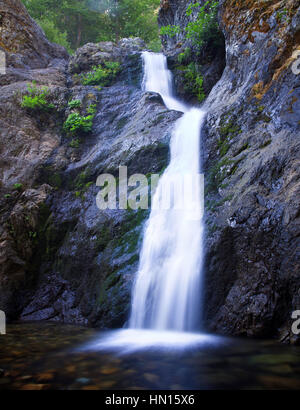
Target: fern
{"points": [[36, 98]]}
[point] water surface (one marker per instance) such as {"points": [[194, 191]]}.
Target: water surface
{"points": [[50, 356]]}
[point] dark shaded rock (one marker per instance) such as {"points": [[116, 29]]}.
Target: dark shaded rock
{"points": [[251, 147]]}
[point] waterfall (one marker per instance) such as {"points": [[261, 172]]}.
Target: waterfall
{"points": [[166, 294], [166, 299]]}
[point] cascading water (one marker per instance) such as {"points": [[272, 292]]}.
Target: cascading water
{"points": [[158, 79], [167, 289]]}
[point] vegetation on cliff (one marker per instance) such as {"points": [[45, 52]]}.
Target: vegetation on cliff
{"points": [[200, 41], [36, 98], [201, 30], [102, 74]]}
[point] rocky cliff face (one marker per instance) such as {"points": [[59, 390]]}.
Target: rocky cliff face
{"points": [[251, 162], [61, 257]]}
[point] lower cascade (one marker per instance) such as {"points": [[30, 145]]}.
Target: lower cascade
{"points": [[167, 289]]}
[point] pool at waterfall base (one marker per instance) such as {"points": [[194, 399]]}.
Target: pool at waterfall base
{"points": [[47, 356]]}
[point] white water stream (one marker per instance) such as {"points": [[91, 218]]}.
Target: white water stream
{"points": [[167, 289], [166, 300]]}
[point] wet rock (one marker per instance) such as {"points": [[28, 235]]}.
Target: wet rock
{"points": [[62, 259]]}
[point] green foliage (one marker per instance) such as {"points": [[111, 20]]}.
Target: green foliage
{"points": [[155, 45], [18, 186], [185, 56], [204, 30], [228, 130], [170, 31], [283, 15], [74, 104], [80, 180], [219, 171], [75, 143], [217, 174], [92, 109], [132, 18], [53, 34], [244, 147], [194, 81], [76, 123], [36, 98], [128, 234], [32, 235], [265, 144], [223, 147], [102, 74], [81, 185], [73, 23]]}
